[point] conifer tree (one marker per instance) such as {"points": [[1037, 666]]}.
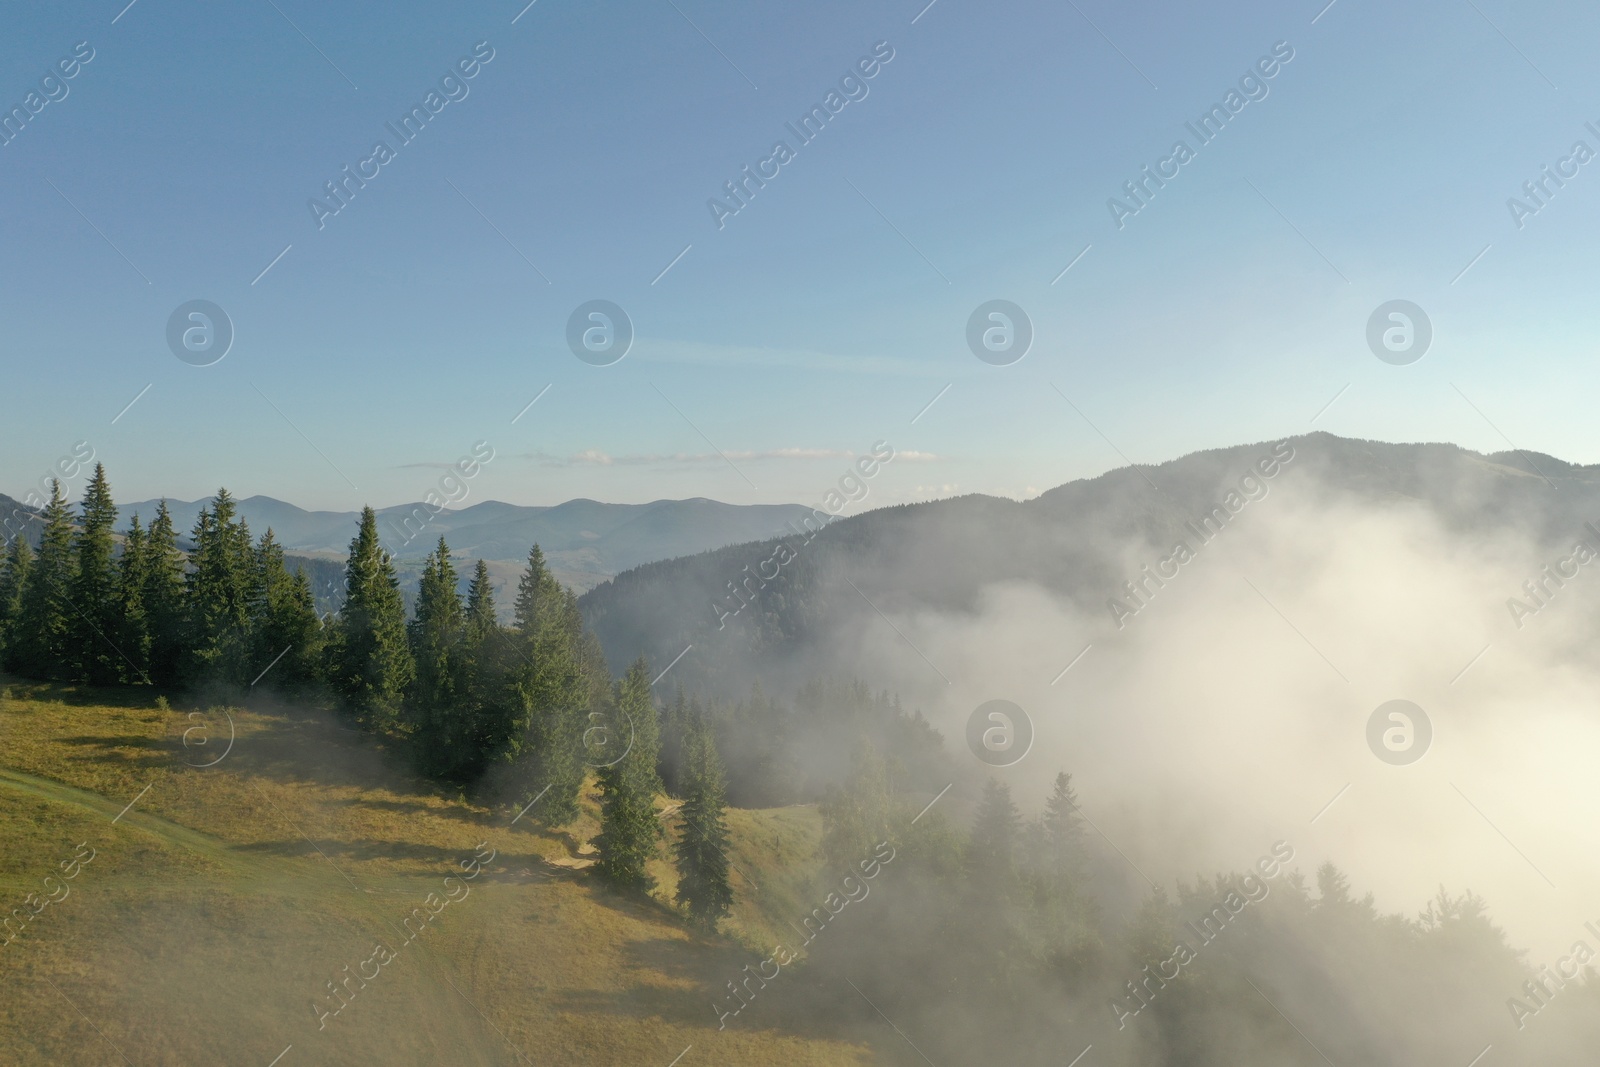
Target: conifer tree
{"points": [[677, 728], [480, 601], [591, 663], [435, 703], [856, 817], [995, 829], [994, 941], [220, 593], [1053, 864], [489, 709], [1062, 831], [13, 579], [371, 662], [94, 621], [637, 707], [163, 598], [1333, 887], [538, 594], [43, 625], [552, 695], [297, 619], [132, 634], [285, 633], [629, 827], [436, 627], [701, 850]]}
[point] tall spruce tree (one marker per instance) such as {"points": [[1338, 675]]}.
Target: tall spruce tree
{"points": [[538, 595], [677, 728], [296, 618], [995, 830], [591, 662], [94, 621], [285, 633], [441, 725], [44, 623], [636, 705], [995, 940], [371, 662], [220, 593], [489, 708], [701, 851], [552, 694], [629, 829], [1061, 828], [480, 601], [163, 598], [13, 579], [132, 633]]}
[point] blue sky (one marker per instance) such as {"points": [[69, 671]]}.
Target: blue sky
{"points": [[832, 308]]}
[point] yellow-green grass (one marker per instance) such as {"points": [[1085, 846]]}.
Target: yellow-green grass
{"points": [[220, 905]]}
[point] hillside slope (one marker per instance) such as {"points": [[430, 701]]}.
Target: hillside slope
{"points": [[17, 517], [1071, 541], [208, 917]]}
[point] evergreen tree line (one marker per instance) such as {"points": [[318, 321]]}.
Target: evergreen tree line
{"points": [[88, 606], [469, 697], [630, 825]]}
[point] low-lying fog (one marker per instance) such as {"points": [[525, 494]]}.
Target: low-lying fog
{"points": [[1238, 698]]}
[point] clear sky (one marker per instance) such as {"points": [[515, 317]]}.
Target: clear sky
{"points": [[832, 307]]}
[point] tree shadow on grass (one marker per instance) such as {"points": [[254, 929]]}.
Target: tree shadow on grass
{"points": [[263, 734], [109, 741], [691, 976], [415, 807], [693, 989], [134, 698], [446, 859]]}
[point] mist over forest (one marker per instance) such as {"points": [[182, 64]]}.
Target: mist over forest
{"points": [[1129, 781], [1223, 707]]}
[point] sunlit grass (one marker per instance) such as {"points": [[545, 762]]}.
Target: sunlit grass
{"points": [[219, 906]]}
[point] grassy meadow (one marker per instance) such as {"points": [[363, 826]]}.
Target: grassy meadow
{"points": [[217, 910]]}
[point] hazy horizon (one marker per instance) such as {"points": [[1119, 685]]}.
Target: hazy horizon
{"points": [[352, 506]]}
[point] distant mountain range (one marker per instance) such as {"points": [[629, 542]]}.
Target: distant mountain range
{"points": [[808, 598], [657, 577], [585, 541], [14, 514]]}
